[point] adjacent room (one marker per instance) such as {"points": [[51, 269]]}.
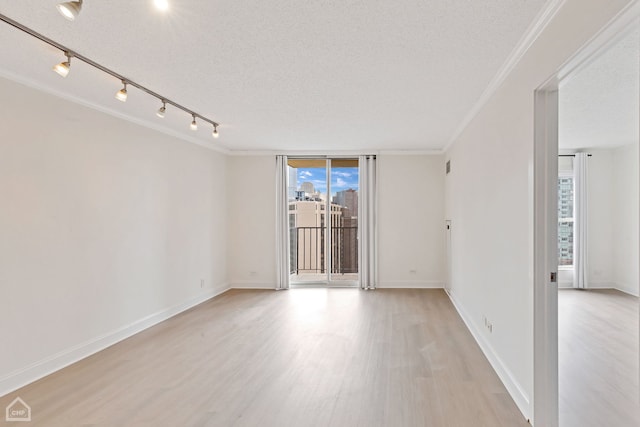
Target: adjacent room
{"points": [[218, 213], [598, 237]]}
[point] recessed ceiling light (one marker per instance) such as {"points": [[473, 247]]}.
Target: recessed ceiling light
{"points": [[162, 5]]}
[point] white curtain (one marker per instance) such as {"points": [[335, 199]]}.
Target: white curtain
{"points": [[580, 219], [367, 227], [282, 224]]}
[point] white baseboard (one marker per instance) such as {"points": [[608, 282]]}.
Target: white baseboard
{"points": [[518, 394], [601, 286], [628, 292], [412, 284], [615, 286], [252, 285], [55, 362], [397, 284]]}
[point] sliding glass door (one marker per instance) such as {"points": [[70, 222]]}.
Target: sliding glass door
{"points": [[323, 220]]}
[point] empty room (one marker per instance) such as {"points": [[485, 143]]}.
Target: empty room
{"points": [[319, 213], [598, 236]]}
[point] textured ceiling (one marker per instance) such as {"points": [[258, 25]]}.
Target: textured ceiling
{"points": [[283, 74], [599, 105]]}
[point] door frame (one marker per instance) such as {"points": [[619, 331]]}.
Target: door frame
{"points": [[447, 239], [327, 282], [545, 219]]}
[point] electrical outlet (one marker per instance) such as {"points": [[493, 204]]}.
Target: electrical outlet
{"points": [[487, 324]]}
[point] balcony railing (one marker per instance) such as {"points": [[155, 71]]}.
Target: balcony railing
{"points": [[307, 250]]}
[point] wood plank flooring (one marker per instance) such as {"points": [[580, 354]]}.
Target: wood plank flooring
{"points": [[598, 359], [303, 357]]}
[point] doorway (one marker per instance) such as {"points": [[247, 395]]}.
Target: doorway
{"points": [[448, 254], [598, 278], [546, 221], [323, 221]]}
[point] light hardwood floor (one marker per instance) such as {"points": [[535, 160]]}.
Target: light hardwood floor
{"points": [[304, 357], [598, 359]]}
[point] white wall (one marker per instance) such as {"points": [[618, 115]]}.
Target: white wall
{"points": [[600, 226], [411, 221], [106, 227], [625, 220], [613, 220], [489, 199], [251, 213]]}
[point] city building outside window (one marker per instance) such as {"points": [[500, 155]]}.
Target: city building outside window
{"points": [[565, 220]]}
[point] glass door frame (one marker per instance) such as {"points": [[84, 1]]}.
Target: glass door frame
{"points": [[328, 230]]}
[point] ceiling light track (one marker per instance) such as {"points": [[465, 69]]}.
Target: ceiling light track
{"points": [[126, 81]]}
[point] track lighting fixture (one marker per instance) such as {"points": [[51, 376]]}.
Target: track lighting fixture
{"points": [[70, 9], [122, 93], [63, 67], [161, 110]]}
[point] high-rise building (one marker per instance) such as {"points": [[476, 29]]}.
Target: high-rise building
{"points": [[348, 199], [348, 233], [348, 241], [292, 185], [565, 220], [307, 187]]}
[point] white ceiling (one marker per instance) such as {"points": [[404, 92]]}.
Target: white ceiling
{"points": [[282, 74], [599, 105]]}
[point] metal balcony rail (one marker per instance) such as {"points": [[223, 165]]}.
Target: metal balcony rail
{"points": [[307, 250]]}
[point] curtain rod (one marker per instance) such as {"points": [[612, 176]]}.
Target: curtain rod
{"points": [[571, 155]]}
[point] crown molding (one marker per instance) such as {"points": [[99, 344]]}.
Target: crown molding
{"points": [[411, 152], [530, 36], [334, 153], [110, 111], [619, 27]]}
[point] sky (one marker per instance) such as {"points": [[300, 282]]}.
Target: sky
{"points": [[341, 178]]}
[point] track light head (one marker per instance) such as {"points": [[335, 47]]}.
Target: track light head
{"points": [[122, 93], [63, 67], [161, 110], [70, 9]]}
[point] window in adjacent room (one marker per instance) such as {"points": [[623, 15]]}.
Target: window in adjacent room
{"points": [[565, 219]]}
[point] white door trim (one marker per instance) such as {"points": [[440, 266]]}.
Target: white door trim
{"points": [[544, 188], [545, 298]]}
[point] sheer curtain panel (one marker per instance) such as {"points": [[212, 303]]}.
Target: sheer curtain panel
{"points": [[367, 227], [580, 220], [282, 224]]}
